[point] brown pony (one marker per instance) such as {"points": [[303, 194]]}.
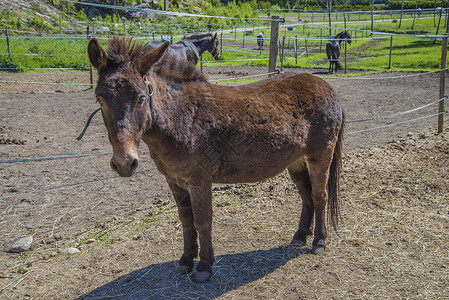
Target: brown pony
{"points": [[200, 133]]}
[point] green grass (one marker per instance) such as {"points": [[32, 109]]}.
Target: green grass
{"points": [[367, 53], [372, 52], [29, 53]]}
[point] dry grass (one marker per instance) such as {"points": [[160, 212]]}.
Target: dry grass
{"points": [[392, 241]]}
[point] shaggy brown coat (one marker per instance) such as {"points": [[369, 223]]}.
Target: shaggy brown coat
{"points": [[199, 133]]}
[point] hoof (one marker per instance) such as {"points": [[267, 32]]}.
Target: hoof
{"points": [[297, 243], [318, 250], [201, 277], [183, 269]]}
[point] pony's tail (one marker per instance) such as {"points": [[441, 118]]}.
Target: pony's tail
{"points": [[337, 62], [338, 65], [333, 184]]}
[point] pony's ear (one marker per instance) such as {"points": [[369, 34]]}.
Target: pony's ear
{"points": [[144, 63], [97, 55], [215, 36]]}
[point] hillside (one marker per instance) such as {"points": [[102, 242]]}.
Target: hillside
{"points": [[24, 8], [39, 15]]}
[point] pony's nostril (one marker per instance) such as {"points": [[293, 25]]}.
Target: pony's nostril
{"points": [[114, 166], [134, 164]]}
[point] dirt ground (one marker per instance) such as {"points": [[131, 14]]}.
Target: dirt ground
{"points": [[392, 242]]}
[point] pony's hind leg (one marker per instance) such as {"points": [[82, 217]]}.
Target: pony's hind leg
{"points": [[190, 234], [318, 168], [300, 176]]}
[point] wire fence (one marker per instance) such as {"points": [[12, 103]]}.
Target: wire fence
{"points": [[302, 40], [374, 118]]}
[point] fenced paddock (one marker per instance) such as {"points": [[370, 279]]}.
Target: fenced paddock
{"points": [[391, 242]]}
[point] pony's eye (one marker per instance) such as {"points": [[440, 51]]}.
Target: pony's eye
{"points": [[100, 101], [141, 100]]}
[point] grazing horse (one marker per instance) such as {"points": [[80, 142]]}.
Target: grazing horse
{"points": [[199, 133], [333, 50], [192, 47]]}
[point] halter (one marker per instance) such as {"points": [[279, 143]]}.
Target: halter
{"points": [[150, 92], [216, 54], [214, 46], [149, 87]]}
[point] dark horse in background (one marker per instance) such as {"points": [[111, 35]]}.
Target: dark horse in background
{"points": [[191, 47], [199, 133], [333, 48]]}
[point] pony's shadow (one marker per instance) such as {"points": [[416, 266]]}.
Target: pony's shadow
{"points": [[321, 73], [230, 272]]}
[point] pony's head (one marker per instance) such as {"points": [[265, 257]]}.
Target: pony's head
{"points": [[347, 36], [123, 93], [213, 49]]}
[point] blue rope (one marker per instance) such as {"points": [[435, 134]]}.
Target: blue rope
{"points": [[59, 187], [87, 124], [51, 158], [398, 113], [163, 12], [66, 185]]}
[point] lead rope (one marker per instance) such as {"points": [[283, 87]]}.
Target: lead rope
{"points": [[150, 93], [87, 124]]}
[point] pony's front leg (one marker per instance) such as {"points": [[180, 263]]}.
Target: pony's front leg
{"points": [[201, 198], [183, 202]]}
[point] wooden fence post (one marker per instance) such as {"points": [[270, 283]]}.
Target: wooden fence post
{"points": [[442, 82], [321, 39], [306, 45], [282, 52], [391, 49], [273, 45], [296, 49], [7, 42], [221, 41], [346, 52], [244, 34], [438, 27], [221, 45]]}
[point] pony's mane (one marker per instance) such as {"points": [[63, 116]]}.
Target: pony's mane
{"points": [[198, 36], [343, 33], [121, 52], [177, 70]]}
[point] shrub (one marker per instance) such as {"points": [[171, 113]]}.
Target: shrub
{"points": [[9, 64]]}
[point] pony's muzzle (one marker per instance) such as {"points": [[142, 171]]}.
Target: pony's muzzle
{"points": [[126, 167]]}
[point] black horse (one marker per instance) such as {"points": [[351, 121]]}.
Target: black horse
{"points": [[333, 50], [191, 47]]}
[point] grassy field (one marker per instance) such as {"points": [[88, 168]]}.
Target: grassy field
{"points": [[366, 52]]}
